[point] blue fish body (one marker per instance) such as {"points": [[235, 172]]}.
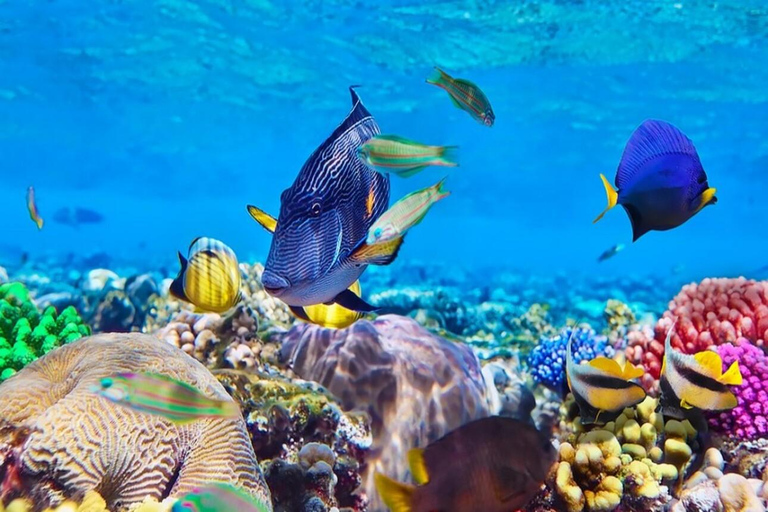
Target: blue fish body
{"points": [[660, 180], [324, 216]]}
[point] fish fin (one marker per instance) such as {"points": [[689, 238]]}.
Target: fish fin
{"points": [[299, 312], [417, 466], [347, 299], [396, 138], [710, 361], [449, 156], [267, 221], [456, 103], [610, 192], [438, 77], [382, 253], [732, 376], [651, 139], [230, 409], [607, 365], [637, 221], [631, 371], [177, 285], [442, 194], [407, 173], [705, 198], [663, 364], [395, 495], [588, 413], [684, 404]]}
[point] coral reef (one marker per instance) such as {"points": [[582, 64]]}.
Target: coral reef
{"points": [[26, 333], [619, 318], [713, 312], [91, 502], [749, 419], [56, 431], [415, 385], [291, 422], [547, 360]]}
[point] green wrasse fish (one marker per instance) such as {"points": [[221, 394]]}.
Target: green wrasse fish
{"points": [[163, 396], [332, 316], [34, 214], [697, 380], [602, 386], [220, 497], [465, 95], [390, 153], [210, 278], [316, 254], [494, 464], [404, 214]]}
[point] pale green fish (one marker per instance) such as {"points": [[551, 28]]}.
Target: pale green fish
{"points": [[390, 153], [404, 214], [219, 497], [163, 396]]}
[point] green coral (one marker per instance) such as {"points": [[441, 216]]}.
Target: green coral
{"points": [[26, 333]]}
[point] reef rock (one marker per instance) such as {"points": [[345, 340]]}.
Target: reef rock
{"points": [[415, 385], [58, 439]]}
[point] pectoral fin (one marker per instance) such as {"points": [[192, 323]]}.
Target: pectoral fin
{"points": [[382, 253], [349, 300], [267, 221]]}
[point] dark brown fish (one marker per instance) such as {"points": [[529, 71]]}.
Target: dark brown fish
{"points": [[494, 464]]}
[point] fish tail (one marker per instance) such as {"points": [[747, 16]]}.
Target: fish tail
{"points": [[230, 410], [396, 495], [441, 194], [613, 197], [438, 77], [449, 156], [732, 377]]}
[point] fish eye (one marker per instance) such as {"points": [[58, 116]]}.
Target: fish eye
{"points": [[377, 232], [106, 383], [315, 209]]}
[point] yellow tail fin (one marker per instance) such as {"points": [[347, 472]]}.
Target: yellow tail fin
{"points": [[732, 376], [417, 466], [397, 496], [613, 197]]}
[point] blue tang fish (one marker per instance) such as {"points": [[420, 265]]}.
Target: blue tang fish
{"points": [[660, 180], [318, 248]]}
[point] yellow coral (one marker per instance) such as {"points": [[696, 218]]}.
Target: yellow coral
{"points": [[606, 497], [566, 488], [92, 502], [647, 486]]}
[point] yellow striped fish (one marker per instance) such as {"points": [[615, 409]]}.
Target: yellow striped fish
{"points": [[391, 153], [210, 278], [404, 214], [602, 386], [465, 95], [697, 380]]}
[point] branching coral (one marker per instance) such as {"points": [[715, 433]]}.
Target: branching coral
{"points": [[547, 359], [26, 333]]}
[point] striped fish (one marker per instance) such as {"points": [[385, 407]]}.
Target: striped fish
{"points": [[220, 497], [163, 396], [602, 386], [404, 214], [316, 254], [696, 381], [210, 279], [465, 95], [34, 214], [390, 153]]}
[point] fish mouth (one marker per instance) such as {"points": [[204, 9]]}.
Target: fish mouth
{"points": [[274, 284]]}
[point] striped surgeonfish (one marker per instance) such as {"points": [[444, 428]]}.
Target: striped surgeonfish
{"points": [[210, 278], [316, 252], [602, 386]]}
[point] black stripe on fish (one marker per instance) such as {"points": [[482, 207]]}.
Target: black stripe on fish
{"points": [[605, 381], [702, 381]]}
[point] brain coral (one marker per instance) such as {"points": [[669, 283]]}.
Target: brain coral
{"points": [[26, 333], [713, 312], [416, 386], [58, 439]]}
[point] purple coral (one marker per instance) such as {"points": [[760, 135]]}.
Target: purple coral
{"points": [[749, 420]]}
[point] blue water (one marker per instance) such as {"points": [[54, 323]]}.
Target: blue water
{"points": [[168, 117]]}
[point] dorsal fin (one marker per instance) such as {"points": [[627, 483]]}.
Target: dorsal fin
{"points": [[607, 365], [651, 139], [710, 363], [631, 371]]}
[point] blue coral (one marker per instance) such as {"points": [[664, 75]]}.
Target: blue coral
{"points": [[547, 360]]}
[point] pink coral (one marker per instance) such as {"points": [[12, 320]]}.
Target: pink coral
{"points": [[713, 312], [749, 419]]}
